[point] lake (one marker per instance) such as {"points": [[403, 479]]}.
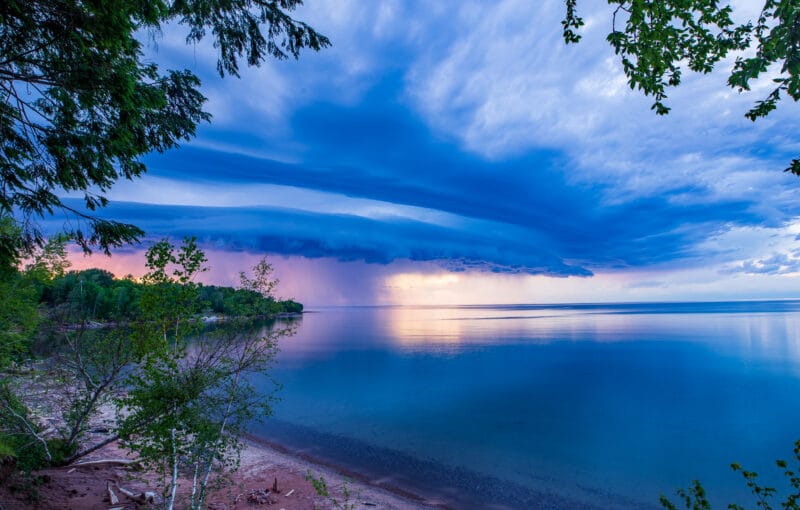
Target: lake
{"points": [[562, 406]]}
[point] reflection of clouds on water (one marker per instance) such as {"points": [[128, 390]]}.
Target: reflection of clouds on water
{"points": [[775, 340], [637, 399], [763, 337], [420, 327]]}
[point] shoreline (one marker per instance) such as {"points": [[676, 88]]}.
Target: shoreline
{"points": [[389, 495], [432, 484], [262, 466]]}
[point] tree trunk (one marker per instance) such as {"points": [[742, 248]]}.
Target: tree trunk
{"points": [[216, 444], [170, 502], [194, 485], [72, 458]]}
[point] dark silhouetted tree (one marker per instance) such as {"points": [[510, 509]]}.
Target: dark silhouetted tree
{"points": [[81, 105]]}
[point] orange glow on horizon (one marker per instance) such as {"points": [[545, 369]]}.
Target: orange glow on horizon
{"points": [[327, 281]]}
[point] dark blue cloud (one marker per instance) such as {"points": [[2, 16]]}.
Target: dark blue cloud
{"points": [[347, 238], [354, 120], [380, 151]]}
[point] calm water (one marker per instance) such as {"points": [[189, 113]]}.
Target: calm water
{"points": [[591, 406]]}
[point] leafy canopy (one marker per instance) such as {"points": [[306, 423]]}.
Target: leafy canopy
{"points": [[81, 104], [656, 40]]}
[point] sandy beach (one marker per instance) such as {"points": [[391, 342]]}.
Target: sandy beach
{"points": [[87, 487], [84, 485]]}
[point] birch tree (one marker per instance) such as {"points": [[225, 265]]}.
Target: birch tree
{"points": [[193, 397]]}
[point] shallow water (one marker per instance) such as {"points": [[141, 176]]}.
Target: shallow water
{"points": [[588, 406]]}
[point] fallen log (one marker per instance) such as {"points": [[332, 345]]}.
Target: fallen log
{"points": [[99, 462], [87, 451], [112, 498], [142, 497]]}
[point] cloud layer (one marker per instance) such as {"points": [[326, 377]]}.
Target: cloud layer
{"points": [[468, 134]]}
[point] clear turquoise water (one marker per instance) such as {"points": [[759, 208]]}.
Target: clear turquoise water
{"points": [[589, 406]]}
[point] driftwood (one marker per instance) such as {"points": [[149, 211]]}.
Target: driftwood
{"points": [[259, 497], [99, 462], [72, 458], [290, 493], [112, 498], [142, 497]]}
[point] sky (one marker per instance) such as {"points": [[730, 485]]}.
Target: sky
{"points": [[458, 152]]}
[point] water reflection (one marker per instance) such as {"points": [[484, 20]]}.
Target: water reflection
{"points": [[628, 400], [410, 327]]}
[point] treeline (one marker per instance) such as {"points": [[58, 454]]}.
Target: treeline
{"points": [[231, 302], [40, 295], [100, 297]]}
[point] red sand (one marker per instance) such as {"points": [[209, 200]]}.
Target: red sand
{"points": [[85, 487]]}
